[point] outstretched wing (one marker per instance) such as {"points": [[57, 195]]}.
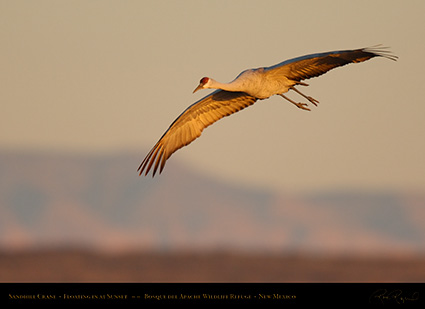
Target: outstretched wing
{"points": [[189, 125], [314, 65]]}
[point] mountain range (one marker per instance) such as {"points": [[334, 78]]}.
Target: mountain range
{"points": [[99, 201]]}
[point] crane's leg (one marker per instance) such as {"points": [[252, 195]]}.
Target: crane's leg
{"points": [[299, 105], [312, 100]]}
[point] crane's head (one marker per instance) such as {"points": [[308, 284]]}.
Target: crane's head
{"points": [[203, 83]]}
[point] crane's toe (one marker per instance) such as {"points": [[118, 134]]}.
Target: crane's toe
{"points": [[313, 101], [302, 106]]}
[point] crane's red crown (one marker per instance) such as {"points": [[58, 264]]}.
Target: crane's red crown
{"points": [[204, 80]]}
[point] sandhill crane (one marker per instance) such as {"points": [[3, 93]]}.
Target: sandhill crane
{"points": [[248, 87]]}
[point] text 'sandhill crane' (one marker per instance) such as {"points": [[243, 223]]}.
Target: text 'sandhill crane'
{"points": [[248, 87]]}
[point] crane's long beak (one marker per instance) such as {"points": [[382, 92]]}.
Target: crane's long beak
{"points": [[200, 86]]}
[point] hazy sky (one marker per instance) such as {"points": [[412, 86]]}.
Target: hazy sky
{"points": [[110, 76]]}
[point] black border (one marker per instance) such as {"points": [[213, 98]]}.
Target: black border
{"points": [[408, 294]]}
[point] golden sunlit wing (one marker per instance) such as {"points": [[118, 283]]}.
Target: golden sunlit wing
{"points": [[189, 125], [314, 65]]}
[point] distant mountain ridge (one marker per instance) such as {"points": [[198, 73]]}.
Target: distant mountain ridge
{"points": [[100, 202]]}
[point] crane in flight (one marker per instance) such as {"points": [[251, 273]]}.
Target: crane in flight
{"points": [[248, 87]]}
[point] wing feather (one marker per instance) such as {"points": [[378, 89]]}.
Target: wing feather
{"points": [[190, 124], [314, 65]]}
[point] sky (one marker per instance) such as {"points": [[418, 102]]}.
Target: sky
{"points": [[102, 77]]}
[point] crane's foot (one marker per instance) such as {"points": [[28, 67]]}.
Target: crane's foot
{"points": [[302, 106], [311, 99], [299, 105]]}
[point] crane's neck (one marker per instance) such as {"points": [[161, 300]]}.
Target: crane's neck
{"points": [[233, 86]]}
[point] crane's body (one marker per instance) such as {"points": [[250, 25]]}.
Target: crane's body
{"points": [[248, 87], [255, 82]]}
